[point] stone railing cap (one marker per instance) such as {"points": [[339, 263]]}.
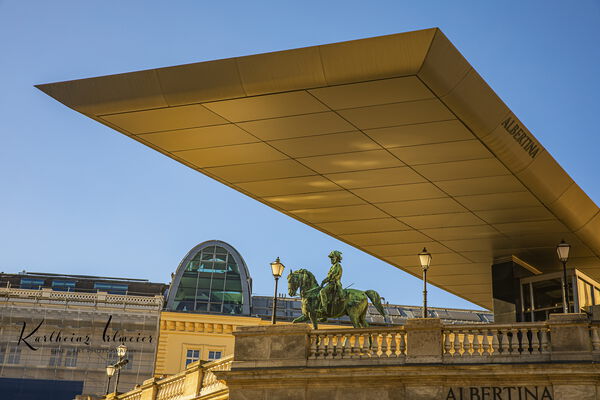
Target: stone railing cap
{"points": [[288, 329], [568, 318], [423, 323]]}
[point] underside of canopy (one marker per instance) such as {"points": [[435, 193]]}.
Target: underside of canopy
{"points": [[390, 144]]}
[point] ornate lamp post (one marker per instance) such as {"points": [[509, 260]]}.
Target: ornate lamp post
{"points": [[425, 260], [277, 269], [110, 371], [563, 255], [121, 351]]}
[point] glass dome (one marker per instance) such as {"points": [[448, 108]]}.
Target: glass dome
{"points": [[212, 278]]}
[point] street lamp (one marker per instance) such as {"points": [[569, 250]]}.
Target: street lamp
{"points": [[121, 351], [277, 269], [563, 255], [425, 260], [110, 371]]}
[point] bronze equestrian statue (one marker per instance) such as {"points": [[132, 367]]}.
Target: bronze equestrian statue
{"points": [[330, 300]]}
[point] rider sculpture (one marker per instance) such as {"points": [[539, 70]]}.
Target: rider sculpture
{"points": [[330, 300], [331, 287]]}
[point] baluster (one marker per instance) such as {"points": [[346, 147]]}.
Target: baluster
{"points": [[545, 345], [514, 342], [375, 345], [501, 346], [366, 346], [447, 343], [356, 346], [469, 340], [510, 337], [393, 346], [507, 342], [402, 343], [320, 346], [522, 341], [464, 343], [338, 346], [476, 345], [535, 342], [526, 340], [456, 343], [487, 345], [346, 353], [595, 339], [312, 353], [384, 344], [518, 341], [329, 355], [496, 344]]}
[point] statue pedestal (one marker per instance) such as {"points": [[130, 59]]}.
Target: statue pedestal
{"points": [[272, 346]]}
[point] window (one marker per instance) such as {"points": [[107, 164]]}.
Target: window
{"points": [[30, 283], [14, 355], [214, 355], [55, 358], [63, 286], [192, 356], [112, 288], [2, 352], [71, 358]]}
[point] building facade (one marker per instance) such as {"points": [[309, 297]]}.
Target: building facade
{"points": [[59, 332]]}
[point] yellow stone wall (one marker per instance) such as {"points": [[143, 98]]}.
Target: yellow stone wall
{"points": [[180, 332]]}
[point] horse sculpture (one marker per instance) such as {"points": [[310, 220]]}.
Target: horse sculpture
{"points": [[353, 303]]}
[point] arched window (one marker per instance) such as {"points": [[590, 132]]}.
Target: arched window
{"points": [[212, 278]]}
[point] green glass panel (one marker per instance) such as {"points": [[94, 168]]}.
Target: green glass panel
{"points": [[184, 305], [204, 283], [228, 296], [219, 268], [221, 257], [188, 281], [218, 283], [233, 284], [232, 268], [185, 294], [203, 294], [232, 308]]}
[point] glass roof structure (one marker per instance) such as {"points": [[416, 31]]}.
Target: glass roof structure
{"points": [[212, 278]]}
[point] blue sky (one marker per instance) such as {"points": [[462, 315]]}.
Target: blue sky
{"points": [[76, 197]]}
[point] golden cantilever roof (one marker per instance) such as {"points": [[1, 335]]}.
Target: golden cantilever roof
{"points": [[389, 144]]}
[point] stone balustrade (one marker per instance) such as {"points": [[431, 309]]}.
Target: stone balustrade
{"points": [[479, 343], [171, 388], [563, 337], [424, 359], [211, 385], [49, 295], [330, 344], [197, 381]]}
